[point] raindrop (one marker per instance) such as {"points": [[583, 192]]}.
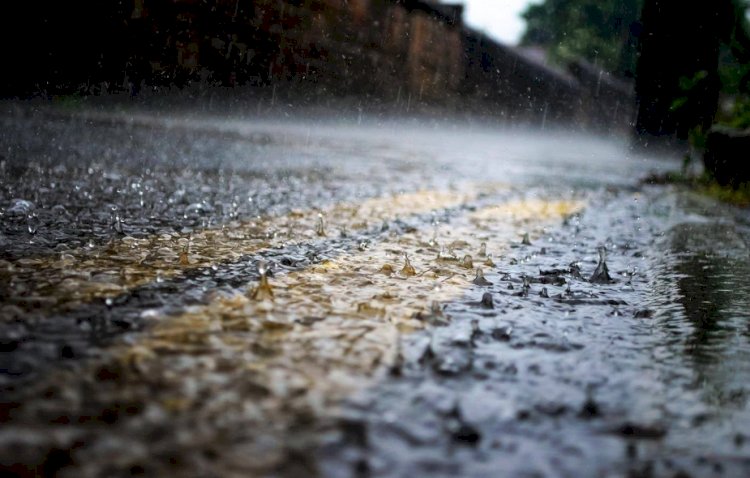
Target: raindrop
{"points": [[408, 270], [263, 290], [184, 260], [20, 207], [435, 315], [526, 285], [387, 269], [320, 226], [601, 274], [433, 241], [479, 279], [32, 223], [482, 250], [486, 301]]}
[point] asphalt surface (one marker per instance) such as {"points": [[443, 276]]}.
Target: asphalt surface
{"points": [[188, 293]]}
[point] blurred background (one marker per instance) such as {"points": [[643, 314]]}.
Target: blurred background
{"points": [[525, 61]]}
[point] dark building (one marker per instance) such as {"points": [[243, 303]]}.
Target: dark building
{"points": [[399, 52]]}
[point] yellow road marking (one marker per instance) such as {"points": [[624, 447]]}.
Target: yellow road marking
{"points": [[235, 375], [83, 275], [332, 327]]}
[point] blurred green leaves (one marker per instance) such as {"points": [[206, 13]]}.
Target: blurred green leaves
{"points": [[603, 32]]}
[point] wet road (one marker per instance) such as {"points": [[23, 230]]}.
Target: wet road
{"points": [[436, 301]]}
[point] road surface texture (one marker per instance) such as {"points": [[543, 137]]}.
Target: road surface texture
{"points": [[200, 295]]}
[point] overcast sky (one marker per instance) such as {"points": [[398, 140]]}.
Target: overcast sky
{"points": [[499, 19]]}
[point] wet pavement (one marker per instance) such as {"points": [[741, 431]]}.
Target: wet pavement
{"points": [[193, 294]]}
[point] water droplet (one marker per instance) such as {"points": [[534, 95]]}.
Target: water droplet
{"points": [[387, 269], [482, 250], [433, 241], [263, 290], [486, 301], [320, 226], [408, 270], [434, 315], [32, 223], [467, 262], [601, 274], [262, 267], [19, 207], [117, 224], [184, 260], [479, 279], [526, 285]]}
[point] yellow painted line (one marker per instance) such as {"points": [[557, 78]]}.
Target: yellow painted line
{"points": [[235, 376], [86, 274], [330, 328]]}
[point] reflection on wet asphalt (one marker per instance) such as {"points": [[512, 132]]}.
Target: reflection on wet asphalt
{"points": [[444, 300]]}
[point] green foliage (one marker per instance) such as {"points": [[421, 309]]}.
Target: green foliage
{"points": [[738, 113], [597, 30], [688, 86], [704, 184]]}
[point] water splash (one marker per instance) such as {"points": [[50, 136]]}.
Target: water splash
{"points": [[184, 253], [263, 291], [408, 270], [486, 301], [601, 274], [526, 287], [434, 316], [480, 280], [32, 223], [320, 226]]}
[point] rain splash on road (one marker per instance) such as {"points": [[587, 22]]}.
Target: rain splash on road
{"points": [[443, 299]]}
